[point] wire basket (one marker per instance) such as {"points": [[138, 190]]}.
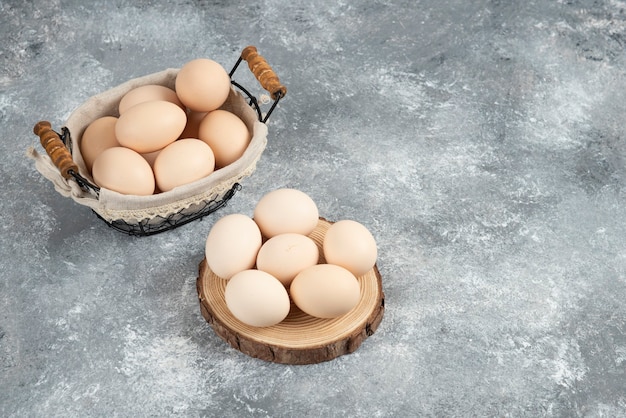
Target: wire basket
{"points": [[64, 166]]}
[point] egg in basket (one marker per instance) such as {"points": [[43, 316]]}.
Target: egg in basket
{"points": [[159, 151]]}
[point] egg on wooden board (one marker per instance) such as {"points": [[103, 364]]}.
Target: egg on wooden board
{"points": [[285, 255], [286, 211], [148, 93], [226, 134], [183, 162], [202, 85], [150, 126], [98, 136], [256, 298], [349, 244], [325, 291], [232, 245], [123, 170]]}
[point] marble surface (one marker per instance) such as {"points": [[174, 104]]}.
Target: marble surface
{"points": [[482, 143]]}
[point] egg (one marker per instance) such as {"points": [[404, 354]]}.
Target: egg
{"points": [[350, 244], [148, 93], [202, 85], [183, 162], [98, 136], [232, 245], [256, 298], [150, 157], [150, 126], [286, 211], [193, 124], [285, 255], [123, 170], [325, 291], [226, 134]]}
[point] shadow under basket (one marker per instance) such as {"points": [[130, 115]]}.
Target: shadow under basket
{"points": [[64, 166]]}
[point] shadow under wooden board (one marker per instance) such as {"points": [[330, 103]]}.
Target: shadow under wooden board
{"points": [[299, 338]]}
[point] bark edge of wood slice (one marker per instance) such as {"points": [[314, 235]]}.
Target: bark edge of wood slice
{"points": [[300, 338]]}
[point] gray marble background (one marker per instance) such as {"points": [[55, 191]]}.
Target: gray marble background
{"points": [[482, 143]]}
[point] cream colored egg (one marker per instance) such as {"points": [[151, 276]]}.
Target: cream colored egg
{"points": [[193, 124], [286, 211], [148, 93], [202, 85], [98, 136], [123, 170], [226, 134], [232, 245], [150, 157], [285, 255], [183, 162], [256, 298], [349, 244], [150, 126], [325, 291]]}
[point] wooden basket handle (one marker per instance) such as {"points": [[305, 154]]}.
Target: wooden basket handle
{"points": [[56, 149], [263, 72]]}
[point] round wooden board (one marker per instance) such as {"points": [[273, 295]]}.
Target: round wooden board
{"points": [[299, 338]]}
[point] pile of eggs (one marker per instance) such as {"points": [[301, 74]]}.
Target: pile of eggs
{"points": [[270, 260], [163, 137]]}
